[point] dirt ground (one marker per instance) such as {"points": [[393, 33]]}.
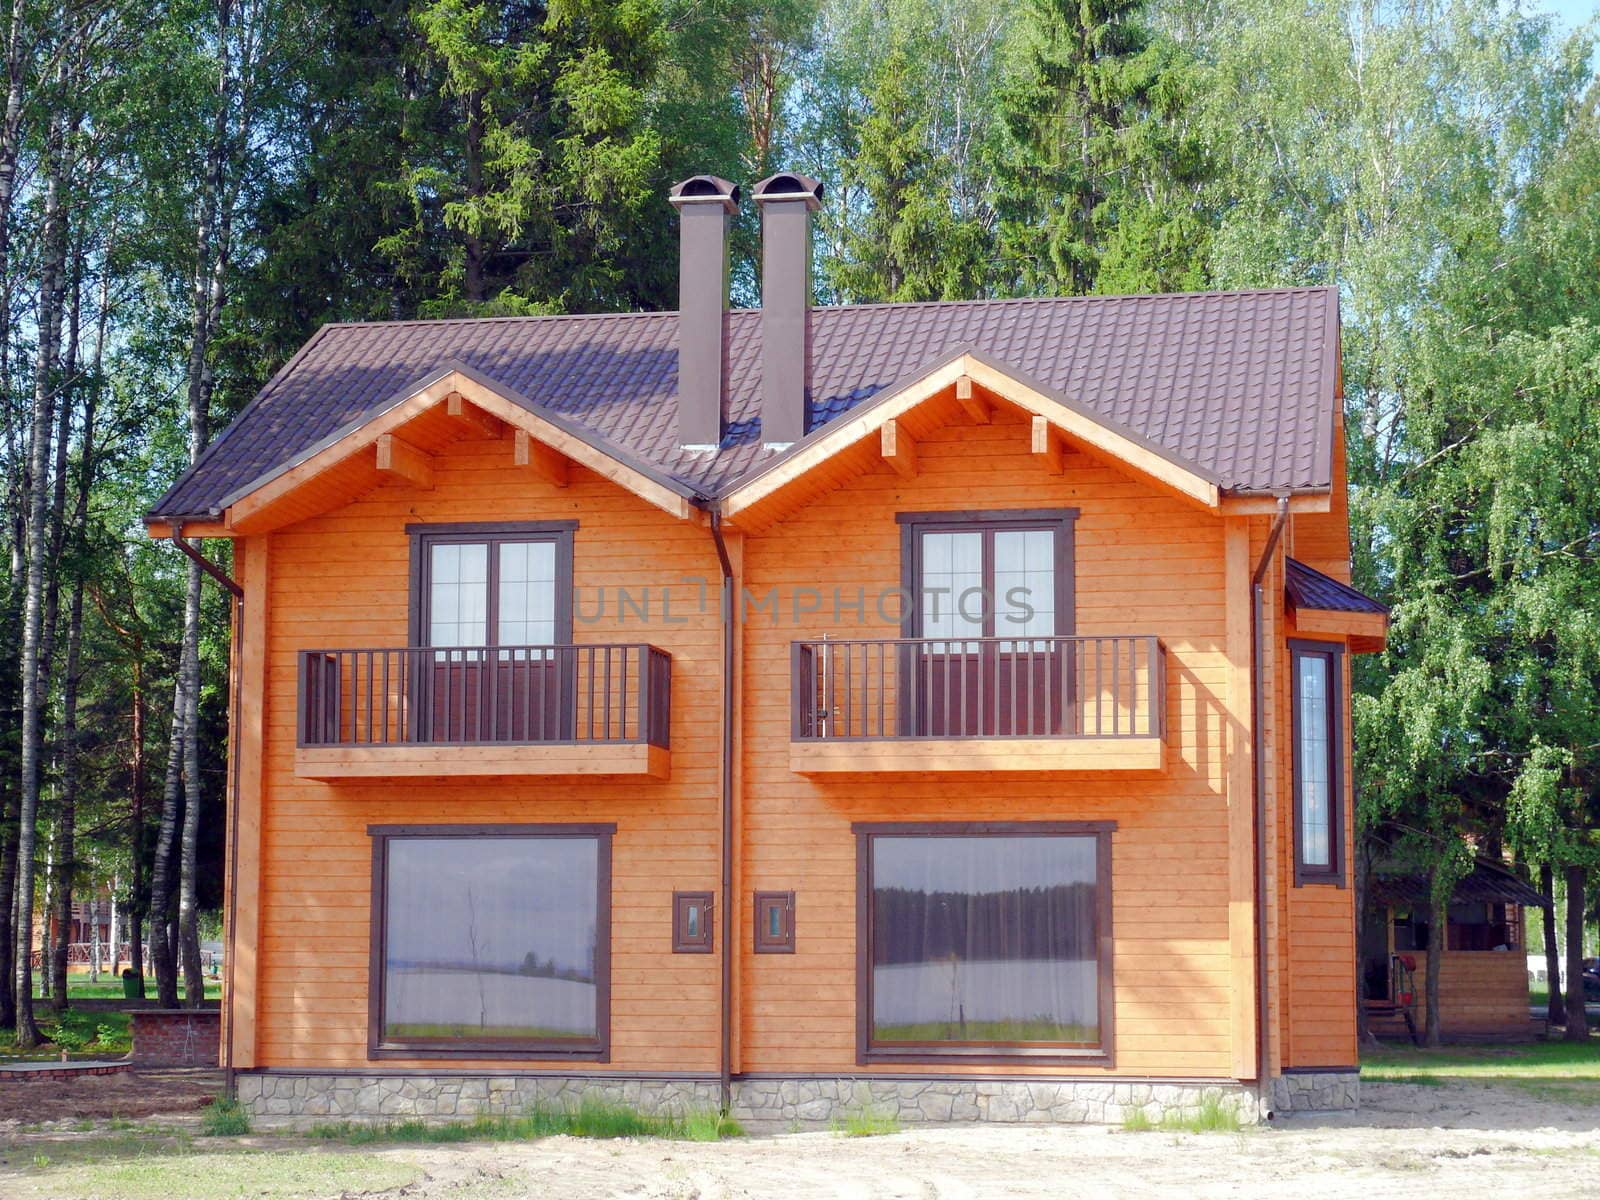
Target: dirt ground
{"points": [[131, 1094], [1447, 1142]]}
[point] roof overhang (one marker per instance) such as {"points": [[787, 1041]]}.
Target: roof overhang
{"points": [[352, 459], [751, 501]]}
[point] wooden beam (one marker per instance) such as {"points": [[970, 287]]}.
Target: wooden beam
{"points": [[1238, 748], [404, 462], [1047, 444], [550, 464], [977, 407], [897, 448], [482, 424]]}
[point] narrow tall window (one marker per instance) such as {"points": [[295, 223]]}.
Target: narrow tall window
{"points": [[490, 939], [1318, 763]]}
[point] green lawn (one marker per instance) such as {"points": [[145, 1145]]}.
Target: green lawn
{"points": [[1560, 1071], [109, 987]]}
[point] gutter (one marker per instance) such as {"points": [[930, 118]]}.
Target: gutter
{"points": [[1259, 787], [725, 788], [236, 634]]}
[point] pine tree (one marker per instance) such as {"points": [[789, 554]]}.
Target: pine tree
{"points": [[1097, 185]]}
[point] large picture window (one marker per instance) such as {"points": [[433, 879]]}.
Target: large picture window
{"points": [[984, 942], [490, 941], [1318, 762]]}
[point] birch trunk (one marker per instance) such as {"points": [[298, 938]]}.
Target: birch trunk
{"points": [[49, 321], [1556, 1012], [1577, 1013], [161, 876]]}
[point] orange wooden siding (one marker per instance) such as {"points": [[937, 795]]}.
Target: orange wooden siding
{"points": [[341, 580], [1146, 562]]}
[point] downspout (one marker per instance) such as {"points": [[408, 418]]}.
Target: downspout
{"points": [[236, 633], [1257, 752], [725, 787]]}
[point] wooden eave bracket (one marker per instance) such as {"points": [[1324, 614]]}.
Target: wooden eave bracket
{"points": [[976, 406], [1046, 445], [898, 448], [478, 422], [400, 461], [550, 465]]}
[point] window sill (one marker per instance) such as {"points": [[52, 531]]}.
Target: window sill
{"points": [[486, 1050], [1099, 1057]]}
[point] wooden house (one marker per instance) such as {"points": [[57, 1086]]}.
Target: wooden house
{"points": [[938, 707]]}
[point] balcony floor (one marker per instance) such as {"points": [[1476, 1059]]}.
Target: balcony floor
{"points": [[359, 764], [918, 755]]}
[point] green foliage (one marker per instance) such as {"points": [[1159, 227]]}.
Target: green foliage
{"points": [[225, 1118], [1211, 1115], [82, 1034], [865, 1120], [589, 1118]]}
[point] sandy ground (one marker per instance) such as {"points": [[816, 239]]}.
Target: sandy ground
{"points": [[137, 1093], [1443, 1143]]}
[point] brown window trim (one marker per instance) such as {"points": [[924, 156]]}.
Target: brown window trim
{"points": [[1334, 873], [424, 536], [598, 1050], [866, 1053], [913, 524], [765, 943], [705, 940]]}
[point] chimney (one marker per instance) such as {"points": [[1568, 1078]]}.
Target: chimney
{"points": [[786, 201], [705, 204]]}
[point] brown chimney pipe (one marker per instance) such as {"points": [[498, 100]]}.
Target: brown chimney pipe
{"points": [[786, 201], [705, 204]]}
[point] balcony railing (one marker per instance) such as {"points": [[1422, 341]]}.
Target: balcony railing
{"points": [[476, 695], [941, 688]]}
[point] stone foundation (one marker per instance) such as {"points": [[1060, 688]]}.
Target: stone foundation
{"points": [[1316, 1091], [783, 1103]]}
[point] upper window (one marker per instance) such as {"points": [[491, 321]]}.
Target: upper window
{"points": [[990, 598], [491, 939], [494, 585], [984, 942], [1318, 762]]}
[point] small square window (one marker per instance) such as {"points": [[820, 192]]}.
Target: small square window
{"points": [[691, 922], [774, 922]]}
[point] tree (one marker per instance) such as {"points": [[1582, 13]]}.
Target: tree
{"points": [[1097, 185]]}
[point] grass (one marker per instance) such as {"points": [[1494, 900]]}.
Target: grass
{"points": [[224, 1175], [80, 1033], [1212, 1116], [225, 1118], [590, 1118], [865, 1121], [109, 987], [1566, 1072]]}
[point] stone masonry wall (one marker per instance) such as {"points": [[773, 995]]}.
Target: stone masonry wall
{"points": [[783, 1103]]}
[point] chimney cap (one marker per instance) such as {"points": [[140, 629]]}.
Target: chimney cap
{"points": [[789, 185], [705, 189]]}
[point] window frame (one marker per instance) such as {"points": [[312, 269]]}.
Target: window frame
{"points": [[1334, 874], [765, 943], [599, 1050], [1043, 1055], [493, 533], [1061, 521], [682, 941]]}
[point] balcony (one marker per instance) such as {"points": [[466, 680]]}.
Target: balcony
{"points": [[476, 711], [979, 704]]}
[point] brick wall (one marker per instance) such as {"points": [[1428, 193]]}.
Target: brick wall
{"points": [[176, 1037]]}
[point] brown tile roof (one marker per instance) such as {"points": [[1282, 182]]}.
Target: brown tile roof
{"points": [[1487, 883], [1312, 589], [1240, 385]]}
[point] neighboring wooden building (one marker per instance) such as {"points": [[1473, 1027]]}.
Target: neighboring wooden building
{"points": [[1483, 978], [1015, 784]]}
